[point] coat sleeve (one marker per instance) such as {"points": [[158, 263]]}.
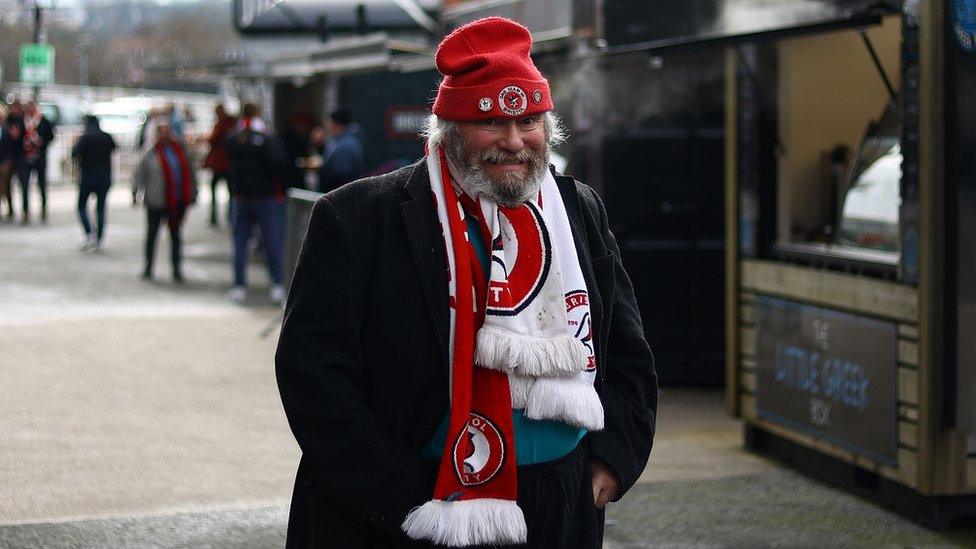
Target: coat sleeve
{"points": [[321, 375], [76, 149], [46, 131], [141, 173], [630, 387]]}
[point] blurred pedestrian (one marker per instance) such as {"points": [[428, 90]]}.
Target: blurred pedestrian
{"points": [[256, 159], [12, 143], [38, 134], [93, 150], [176, 121], [343, 158], [147, 134], [297, 141], [217, 160], [165, 180], [7, 146]]}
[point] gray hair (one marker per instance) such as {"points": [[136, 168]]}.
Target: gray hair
{"points": [[443, 133]]}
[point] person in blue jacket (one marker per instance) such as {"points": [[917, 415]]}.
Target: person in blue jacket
{"points": [[343, 157]]}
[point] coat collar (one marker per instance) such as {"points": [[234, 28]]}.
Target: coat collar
{"points": [[427, 248]]}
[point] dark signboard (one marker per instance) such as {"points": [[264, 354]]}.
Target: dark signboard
{"points": [[829, 374]]}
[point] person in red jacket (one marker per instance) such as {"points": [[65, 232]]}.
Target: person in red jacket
{"points": [[217, 160]]}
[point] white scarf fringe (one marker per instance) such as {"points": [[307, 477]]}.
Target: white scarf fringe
{"points": [[520, 387], [467, 522], [570, 401], [502, 350]]}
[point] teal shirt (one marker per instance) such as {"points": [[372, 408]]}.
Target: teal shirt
{"points": [[535, 441]]}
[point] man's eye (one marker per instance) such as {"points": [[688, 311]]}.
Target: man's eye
{"points": [[529, 120], [489, 122]]}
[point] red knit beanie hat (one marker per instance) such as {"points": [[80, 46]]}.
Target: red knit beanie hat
{"points": [[488, 73]]}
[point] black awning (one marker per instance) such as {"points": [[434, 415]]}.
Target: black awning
{"points": [[667, 26], [289, 17]]}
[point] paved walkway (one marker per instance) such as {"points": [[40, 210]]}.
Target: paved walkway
{"points": [[146, 414]]}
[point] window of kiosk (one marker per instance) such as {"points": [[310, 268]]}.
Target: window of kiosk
{"points": [[869, 213], [838, 158]]}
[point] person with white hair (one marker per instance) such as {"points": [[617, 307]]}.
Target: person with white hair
{"points": [[462, 361]]}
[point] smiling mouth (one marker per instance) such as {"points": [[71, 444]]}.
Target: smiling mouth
{"points": [[506, 162]]}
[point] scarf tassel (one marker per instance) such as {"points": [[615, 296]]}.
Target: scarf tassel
{"points": [[520, 387], [561, 355], [570, 401], [464, 523]]}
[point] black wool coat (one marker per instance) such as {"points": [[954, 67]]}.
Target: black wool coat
{"points": [[362, 360]]}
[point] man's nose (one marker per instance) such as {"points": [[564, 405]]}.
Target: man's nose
{"points": [[511, 137]]}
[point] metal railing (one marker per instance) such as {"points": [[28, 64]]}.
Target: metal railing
{"points": [[298, 209]]}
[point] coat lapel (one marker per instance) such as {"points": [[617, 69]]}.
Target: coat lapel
{"points": [[567, 189], [427, 247]]}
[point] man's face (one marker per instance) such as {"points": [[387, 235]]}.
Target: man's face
{"points": [[503, 159]]}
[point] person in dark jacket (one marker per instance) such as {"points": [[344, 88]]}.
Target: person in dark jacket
{"points": [[256, 159], [462, 360], [93, 151], [343, 157], [5, 164], [38, 134], [217, 160], [11, 153]]}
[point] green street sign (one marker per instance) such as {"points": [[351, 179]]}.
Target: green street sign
{"points": [[37, 63]]}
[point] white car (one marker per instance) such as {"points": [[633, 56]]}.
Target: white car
{"points": [[119, 119]]}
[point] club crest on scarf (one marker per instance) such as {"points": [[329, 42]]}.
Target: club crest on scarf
{"points": [[578, 313], [525, 233], [479, 452]]}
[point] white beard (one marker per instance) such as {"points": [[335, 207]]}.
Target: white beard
{"points": [[509, 190]]}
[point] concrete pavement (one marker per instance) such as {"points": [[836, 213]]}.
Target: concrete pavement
{"points": [[139, 414], [121, 397]]}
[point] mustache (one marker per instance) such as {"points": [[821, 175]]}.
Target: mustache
{"points": [[498, 156]]}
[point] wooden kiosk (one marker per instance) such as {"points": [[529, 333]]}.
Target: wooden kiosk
{"points": [[848, 355]]}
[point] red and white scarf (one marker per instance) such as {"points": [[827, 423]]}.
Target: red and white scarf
{"points": [[174, 207], [525, 343], [32, 138]]}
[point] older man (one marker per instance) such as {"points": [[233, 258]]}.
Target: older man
{"points": [[462, 361]]}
